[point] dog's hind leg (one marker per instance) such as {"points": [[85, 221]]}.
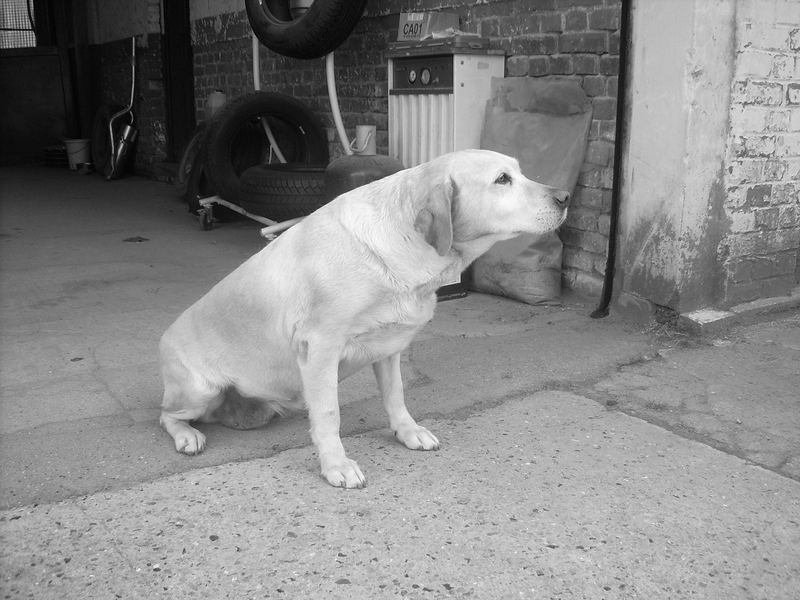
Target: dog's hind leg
{"points": [[188, 440], [186, 398]]}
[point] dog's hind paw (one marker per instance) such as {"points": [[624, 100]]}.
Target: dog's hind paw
{"points": [[417, 437], [190, 441]]}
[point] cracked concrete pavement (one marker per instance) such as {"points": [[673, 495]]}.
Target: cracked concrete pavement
{"points": [[581, 458], [732, 391]]}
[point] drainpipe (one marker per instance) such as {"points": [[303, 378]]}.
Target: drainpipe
{"points": [[619, 137]]}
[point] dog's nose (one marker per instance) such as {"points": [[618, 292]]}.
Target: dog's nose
{"points": [[561, 198]]}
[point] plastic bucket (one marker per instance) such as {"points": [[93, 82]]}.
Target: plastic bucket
{"points": [[364, 144], [77, 152]]}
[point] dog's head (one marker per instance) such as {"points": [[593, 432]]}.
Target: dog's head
{"points": [[475, 194]]}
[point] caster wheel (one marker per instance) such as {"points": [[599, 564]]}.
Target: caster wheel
{"points": [[206, 220]]}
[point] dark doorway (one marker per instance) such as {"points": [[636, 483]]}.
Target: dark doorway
{"points": [[37, 105], [178, 77]]}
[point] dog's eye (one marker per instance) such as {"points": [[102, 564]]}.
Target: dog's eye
{"points": [[503, 179]]}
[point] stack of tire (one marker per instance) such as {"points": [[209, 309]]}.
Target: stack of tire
{"points": [[230, 155]]}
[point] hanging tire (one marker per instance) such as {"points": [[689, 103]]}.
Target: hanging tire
{"points": [[101, 142], [281, 192], [320, 30], [236, 139]]}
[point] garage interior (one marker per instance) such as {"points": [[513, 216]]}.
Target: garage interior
{"points": [[721, 229]]}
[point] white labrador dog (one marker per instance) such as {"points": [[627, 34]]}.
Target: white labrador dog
{"points": [[347, 287]]}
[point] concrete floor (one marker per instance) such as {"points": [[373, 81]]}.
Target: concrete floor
{"points": [[580, 458]]}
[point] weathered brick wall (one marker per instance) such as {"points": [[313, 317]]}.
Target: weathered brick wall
{"points": [[223, 60], [574, 39], [112, 67], [222, 57], [761, 251]]}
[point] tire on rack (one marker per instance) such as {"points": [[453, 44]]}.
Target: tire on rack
{"points": [[282, 192], [320, 30], [188, 158], [236, 140], [198, 186], [101, 143]]}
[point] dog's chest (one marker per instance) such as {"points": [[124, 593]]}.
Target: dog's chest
{"points": [[389, 328]]}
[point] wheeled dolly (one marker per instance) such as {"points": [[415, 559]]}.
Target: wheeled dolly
{"points": [[270, 232]]}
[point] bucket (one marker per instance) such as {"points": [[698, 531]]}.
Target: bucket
{"points": [[77, 152], [214, 102], [364, 144]]}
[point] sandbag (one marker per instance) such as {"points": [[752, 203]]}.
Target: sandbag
{"points": [[543, 124]]}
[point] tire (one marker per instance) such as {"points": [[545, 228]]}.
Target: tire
{"points": [[236, 140], [281, 192], [325, 25], [198, 186], [101, 144], [193, 150]]}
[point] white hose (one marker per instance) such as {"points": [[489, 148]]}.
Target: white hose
{"points": [[256, 65], [334, 100], [257, 86]]}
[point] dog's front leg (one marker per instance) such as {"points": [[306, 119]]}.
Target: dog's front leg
{"points": [[390, 383], [319, 366]]}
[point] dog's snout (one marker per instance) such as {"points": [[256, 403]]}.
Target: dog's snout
{"points": [[561, 198]]}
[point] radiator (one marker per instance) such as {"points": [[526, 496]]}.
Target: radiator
{"points": [[420, 127], [437, 103]]}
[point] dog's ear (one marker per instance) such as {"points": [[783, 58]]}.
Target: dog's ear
{"points": [[435, 220]]}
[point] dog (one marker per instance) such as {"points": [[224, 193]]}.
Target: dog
{"points": [[348, 286]]}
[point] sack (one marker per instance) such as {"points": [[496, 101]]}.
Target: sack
{"points": [[543, 124], [526, 268]]}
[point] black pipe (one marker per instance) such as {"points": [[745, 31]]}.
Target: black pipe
{"points": [[620, 130]]}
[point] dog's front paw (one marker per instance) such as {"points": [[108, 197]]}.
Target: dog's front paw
{"points": [[417, 437], [344, 473]]}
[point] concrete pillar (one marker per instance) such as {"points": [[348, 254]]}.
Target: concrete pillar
{"points": [[672, 213]]}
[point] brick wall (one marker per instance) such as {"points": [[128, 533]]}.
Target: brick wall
{"points": [[574, 39], [577, 40], [761, 252], [112, 64], [112, 68], [223, 60], [222, 57]]}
